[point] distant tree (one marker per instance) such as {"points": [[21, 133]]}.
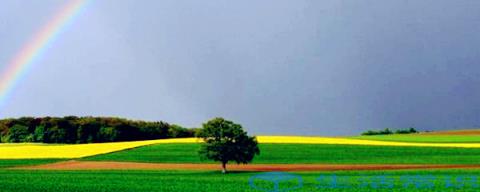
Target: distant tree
{"points": [[87, 130], [72, 129], [386, 131], [39, 133], [18, 133], [68, 127], [406, 131], [370, 132], [413, 130], [29, 122], [177, 131], [108, 134], [226, 141], [154, 130], [3, 132], [55, 135]]}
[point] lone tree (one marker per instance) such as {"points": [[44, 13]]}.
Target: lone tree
{"points": [[226, 141]]}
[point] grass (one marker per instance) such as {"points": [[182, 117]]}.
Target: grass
{"points": [[4, 163], [285, 150], [306, 153], [423, 138], [203, 181]]}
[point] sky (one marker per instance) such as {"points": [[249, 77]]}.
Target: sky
{"points": [[278, 67]]}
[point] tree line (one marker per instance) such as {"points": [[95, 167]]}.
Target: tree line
{"points": [[387, 131], [72, 129]]}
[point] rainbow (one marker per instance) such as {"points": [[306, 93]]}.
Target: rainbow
{"points": [[37, 46]]}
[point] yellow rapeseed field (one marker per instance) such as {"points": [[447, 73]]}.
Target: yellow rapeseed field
{"points": [[36, 151], [347, 141]]}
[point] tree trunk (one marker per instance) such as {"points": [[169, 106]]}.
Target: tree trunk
{"points": [[224, 167]]}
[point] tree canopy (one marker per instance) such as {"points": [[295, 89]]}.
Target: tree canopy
{"points": [[226, 141], [72, 129], [387, 131]]}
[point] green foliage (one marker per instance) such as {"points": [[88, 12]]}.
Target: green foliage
{"points": [[176, 131], [370, 132], [305, 153], [4, 139], [107, 134], [387, 131], [72, 129], [18, 133], [55, 135], [406, 131], [88, 129], [226, 141], [39, 133]]}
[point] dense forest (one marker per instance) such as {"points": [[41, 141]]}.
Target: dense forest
{"points": [[72, 129]]}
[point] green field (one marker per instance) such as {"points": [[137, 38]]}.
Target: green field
{"points": [[213, 181], [423, 138], [5, 163], [178, 181], [297, 153]]}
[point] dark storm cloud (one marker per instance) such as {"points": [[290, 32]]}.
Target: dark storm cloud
{"points": [[278, 67]]}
